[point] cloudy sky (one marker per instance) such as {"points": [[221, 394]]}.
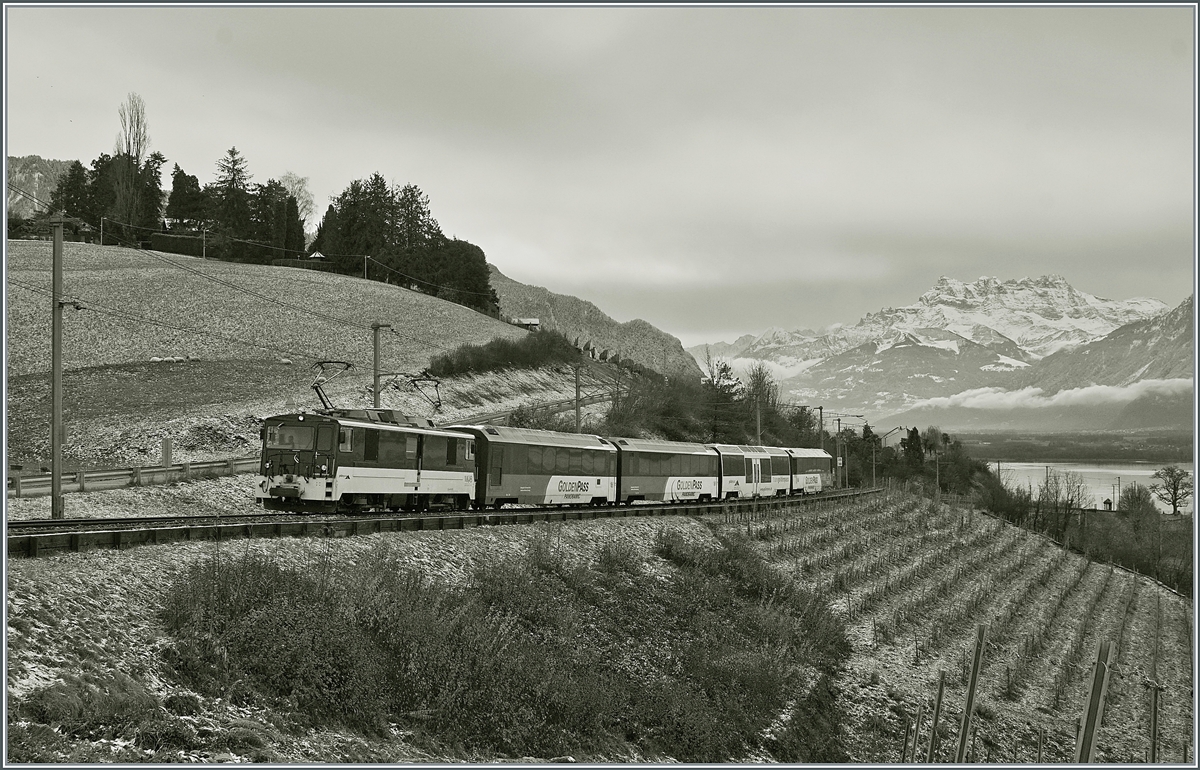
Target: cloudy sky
{"points": [[715, 171]]}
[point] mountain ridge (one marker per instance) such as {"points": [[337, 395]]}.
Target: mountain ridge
{"points": [[636, 340]]}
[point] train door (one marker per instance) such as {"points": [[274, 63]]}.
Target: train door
{"points": [[753, 476], [323, 459]]}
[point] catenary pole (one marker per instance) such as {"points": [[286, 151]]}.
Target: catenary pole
{"points": [[56, 418], [375, 328]]}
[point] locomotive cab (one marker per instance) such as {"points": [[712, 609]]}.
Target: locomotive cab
{"points": [[299, 462]]}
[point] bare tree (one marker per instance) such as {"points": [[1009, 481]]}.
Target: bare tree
{"points": [[1174, 487], [297, 187], [130, 154]]}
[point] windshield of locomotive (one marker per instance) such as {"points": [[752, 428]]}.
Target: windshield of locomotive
{"points": [[290, 437]]}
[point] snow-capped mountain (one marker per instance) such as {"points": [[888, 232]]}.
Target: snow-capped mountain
{"points": [[1158, 348], [956, 337], [1041, 316]]}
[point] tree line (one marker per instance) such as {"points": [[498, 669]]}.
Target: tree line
{"points": [[387, 232], [388, 229]]}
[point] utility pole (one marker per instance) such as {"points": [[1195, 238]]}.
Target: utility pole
{"points": [[578, 423], [204, 243], [837, 448], [56, 419], [757, 420], [365, 258], [101, 231], [376, 328], [821, 430]]}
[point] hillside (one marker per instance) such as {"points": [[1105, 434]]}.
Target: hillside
{"points": [[635, 340], [36, 176], [891, 571], [230, 328]]}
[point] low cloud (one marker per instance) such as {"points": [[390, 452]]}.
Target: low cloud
{"points": [[780, 372], [1036, 398]]}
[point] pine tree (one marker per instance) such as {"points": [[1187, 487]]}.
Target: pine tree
{"points": [[233, 201]]}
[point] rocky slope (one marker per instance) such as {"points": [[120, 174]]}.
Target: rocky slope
{"points": [[634, 340], [36, 176]]}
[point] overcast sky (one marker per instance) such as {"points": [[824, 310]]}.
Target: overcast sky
{"points": [[715, 171]]}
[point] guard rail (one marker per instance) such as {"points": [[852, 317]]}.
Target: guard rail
{"points": [[36, 485]]}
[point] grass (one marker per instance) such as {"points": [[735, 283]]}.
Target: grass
{"points": [[538, 656]]}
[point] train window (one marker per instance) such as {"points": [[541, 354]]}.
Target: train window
{"points": [[535, 459], [516, 459], [325, 438], [390, 451], [344, 443], [371, 446], [779, 465], [290, 437], [588, 456], [410, 446], [749, 469], [676, 467], [731, 465], [576, 462], [547, 459], [469, 449], [714, 466], [562, 462], [451, 452], [765, 469], [435, 453]]}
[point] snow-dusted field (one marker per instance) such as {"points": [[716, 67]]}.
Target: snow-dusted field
{"points": [[912, 579]]}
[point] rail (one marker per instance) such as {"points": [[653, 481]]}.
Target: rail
{"points": [[36, 544], [37, 485]]}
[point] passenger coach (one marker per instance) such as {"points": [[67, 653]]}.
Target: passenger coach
{"points": [[539, 467], [666, 470], [811, 470]]}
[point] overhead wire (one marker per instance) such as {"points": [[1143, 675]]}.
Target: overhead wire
{"points": [[99, 307]]}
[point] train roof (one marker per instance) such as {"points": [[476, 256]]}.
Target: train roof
{"points": [[356, 423], [505, 435], [795, 452], [647, 445]]}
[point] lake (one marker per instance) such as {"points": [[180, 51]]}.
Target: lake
{"points": [[1101, 478]]}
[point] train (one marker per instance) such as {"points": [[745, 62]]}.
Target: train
{"points": [[355, 460]]}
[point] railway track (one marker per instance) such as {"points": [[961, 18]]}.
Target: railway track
{"points": [[43, 537]]}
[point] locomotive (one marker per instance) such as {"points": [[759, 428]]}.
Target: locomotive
{"points": [[348, 460]]}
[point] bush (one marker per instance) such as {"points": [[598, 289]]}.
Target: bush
{"points": [[539, 655], [190, 245], [542, 348]]}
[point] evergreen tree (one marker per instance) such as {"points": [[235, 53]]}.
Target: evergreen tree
{"points": [[294, 229], [101, 193], [232, 202], [186, 202], [269, 221], [72, 194], [151, 209]]}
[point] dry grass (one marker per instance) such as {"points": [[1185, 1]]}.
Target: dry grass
{"points": [[119, 405]]}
